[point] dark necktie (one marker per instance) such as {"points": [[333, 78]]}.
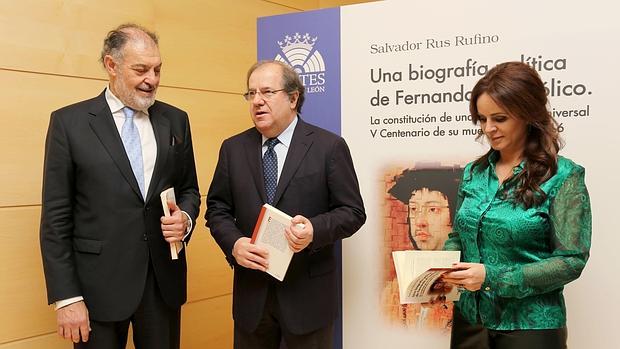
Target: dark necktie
{"points": [[270, 169]]}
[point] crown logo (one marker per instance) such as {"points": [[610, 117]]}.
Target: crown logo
{"points": [[297, 41], [298, 52]]}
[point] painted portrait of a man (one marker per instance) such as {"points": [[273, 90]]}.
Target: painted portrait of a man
{"points": [[420, 207]]}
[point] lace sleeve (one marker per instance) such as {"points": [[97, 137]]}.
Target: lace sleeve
{"points": [[571, 228]]}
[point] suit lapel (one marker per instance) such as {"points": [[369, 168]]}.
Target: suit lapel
{"points": [[252, 147], [102, 123], [300, 143], [161, 128]]}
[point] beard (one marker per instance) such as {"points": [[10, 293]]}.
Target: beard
{"points": [[130, 97]]}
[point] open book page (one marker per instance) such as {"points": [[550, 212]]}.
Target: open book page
{"points": [[269, 233], [168, 195], [419, 275]]}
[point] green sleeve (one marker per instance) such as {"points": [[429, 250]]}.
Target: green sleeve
{"points": [[571, 228]]}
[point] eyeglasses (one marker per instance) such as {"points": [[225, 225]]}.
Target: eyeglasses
{"points": [[266, 94], [430, 210]]}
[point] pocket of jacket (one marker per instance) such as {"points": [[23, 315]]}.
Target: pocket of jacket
{"points": [[87, 245]]}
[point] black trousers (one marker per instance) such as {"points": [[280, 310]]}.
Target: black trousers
{"points": [[154, 325], [468, 336], [271, 333]]}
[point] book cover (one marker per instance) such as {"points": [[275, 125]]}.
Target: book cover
{"points": [[269, 233]]}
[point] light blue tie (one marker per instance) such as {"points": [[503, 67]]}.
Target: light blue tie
{"points": [[133, 147]]}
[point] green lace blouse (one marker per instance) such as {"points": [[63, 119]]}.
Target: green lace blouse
{"points": [[529, 254]]}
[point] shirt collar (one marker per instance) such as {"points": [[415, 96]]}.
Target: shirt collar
{"points": [[115, 103], [287, 135], [494, 156]]}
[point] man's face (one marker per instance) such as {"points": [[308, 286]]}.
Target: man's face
{"points": [[271, 115], [429, 219], [134, 78]]}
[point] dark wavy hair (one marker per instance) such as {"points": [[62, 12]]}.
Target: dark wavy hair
{"points": [[517, 88]]}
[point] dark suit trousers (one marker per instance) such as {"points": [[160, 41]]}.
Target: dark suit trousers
{"points": [[154, 324], [468, 336], [272, 334]]}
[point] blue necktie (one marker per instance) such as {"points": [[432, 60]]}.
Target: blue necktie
{"points": [[133, 147], [270, 169]]}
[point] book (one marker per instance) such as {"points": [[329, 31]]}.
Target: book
{"points": [[269, 233], [168, 195], [419, 275]]}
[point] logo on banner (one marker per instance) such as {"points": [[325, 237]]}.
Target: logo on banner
{"points": [[299, 52]]}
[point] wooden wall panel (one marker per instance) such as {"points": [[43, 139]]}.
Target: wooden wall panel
{"points": [[208, 272], [23, 301], [63, 37], [210, 44], [204, 44], [48, 59], [207, 324], [336, 3], [28, 100], [298, 4], [47, 341], [214, 117]]}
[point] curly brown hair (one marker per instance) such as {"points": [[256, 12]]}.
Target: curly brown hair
{"points": [[517, 88]]}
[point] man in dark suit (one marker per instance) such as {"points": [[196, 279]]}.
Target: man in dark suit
{"points": [[105, 245], [313, 180]]}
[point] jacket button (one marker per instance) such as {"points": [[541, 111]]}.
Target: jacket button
{"points": [[145, 237], [487, 288]]}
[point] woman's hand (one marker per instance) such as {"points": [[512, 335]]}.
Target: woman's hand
{"points": [[470, 276]]}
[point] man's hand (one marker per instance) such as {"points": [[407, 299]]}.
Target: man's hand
{"points": [[471, 276], [174, 227], [250, 255], [298, 237], [73, 322]]}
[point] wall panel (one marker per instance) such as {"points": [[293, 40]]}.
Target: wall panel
{"points": [[23, 301], [47, 341], [48, 59], [28, 100], [205, 44]]}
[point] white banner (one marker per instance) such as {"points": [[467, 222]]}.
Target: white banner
{"points": [[407, 68]]}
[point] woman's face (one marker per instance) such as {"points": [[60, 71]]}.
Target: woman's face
{"points": [[504, 131]]}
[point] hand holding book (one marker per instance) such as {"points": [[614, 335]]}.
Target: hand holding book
{"points": [[299, 234], [421, 274], [469, 276], [281, 236], [169, 205]]}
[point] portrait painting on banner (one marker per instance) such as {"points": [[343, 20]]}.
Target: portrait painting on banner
{"points": [[419, 204]]}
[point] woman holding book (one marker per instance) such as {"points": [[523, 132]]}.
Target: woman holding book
{"points": [[523, 223]]}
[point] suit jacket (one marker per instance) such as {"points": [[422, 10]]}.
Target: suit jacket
{"points": [[97, 232], [317, 181]]}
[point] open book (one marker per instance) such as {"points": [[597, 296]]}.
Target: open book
{"points": [[269, 233], [168, 195], [419, 275]]}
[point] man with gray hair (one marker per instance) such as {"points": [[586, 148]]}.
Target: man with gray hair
{"points": [[105, 241]]}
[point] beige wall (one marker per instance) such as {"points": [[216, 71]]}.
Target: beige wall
{"points": [[48, 59]]}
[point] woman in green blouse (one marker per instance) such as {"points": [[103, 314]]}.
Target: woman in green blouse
{"points": [[523, 223]]}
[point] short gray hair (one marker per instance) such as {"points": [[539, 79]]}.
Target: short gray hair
{"points": [[118, 37], [290, 80]]}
